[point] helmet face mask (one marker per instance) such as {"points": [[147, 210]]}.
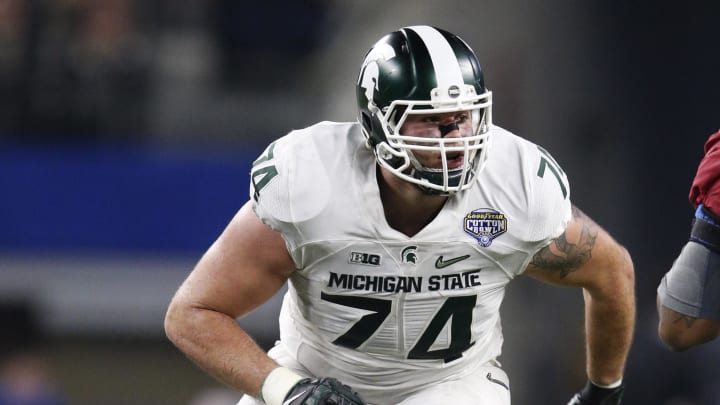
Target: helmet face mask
{"points": [[410, 81]]}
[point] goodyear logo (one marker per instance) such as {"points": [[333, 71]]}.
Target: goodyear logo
{"points": [[485, 224]]}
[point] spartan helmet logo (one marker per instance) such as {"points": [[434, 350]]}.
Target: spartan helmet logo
{"points": [[370, 70], [408, 255]]}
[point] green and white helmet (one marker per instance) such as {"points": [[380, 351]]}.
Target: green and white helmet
{"points": [[423, 70]]}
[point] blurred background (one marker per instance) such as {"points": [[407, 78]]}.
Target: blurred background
{"points": [[128, 127]]}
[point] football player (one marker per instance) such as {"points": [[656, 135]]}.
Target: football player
{"points": [[398, 234], [688, 297]]}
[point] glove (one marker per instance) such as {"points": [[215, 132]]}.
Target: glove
{"points": [[322, 391], [591, 394]]}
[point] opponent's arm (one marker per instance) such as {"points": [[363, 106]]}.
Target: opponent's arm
{"points": [[586, 256], [244, 268], [680, 332]]}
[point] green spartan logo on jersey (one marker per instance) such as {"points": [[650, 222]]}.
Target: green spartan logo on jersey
{"points": [[408, 255]]}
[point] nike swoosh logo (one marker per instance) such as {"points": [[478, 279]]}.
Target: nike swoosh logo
{"points": [[440, 263]]}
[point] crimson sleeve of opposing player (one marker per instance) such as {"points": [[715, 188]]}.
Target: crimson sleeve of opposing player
{"points": [[705, 187]]}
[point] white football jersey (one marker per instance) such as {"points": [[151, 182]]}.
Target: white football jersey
{"points": [[385, 312]]}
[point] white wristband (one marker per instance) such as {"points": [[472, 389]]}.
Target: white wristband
{"points": [[277, 384], [609, 386]]}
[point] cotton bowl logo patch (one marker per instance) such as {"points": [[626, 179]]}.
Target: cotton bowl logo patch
{"points": [[485, 225]]}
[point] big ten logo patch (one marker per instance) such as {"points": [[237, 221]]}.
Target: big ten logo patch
{"points": [[368, 259]]}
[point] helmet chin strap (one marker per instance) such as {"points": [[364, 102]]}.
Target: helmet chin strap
{"points": [[437, 177], [446, 129]]}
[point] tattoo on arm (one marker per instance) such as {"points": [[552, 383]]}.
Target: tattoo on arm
{"points": [[688, 320], [564, 256]]}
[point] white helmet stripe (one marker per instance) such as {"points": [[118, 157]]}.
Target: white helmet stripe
{"points": [[447, 69]]}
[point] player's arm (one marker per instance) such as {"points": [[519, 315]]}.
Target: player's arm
{"points": [[244, 268], [691, 285], [586, 256], [680, 332], [690, 288]]}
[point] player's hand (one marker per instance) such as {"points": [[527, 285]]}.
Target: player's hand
{"points": [[322, 391], [591, 394]]}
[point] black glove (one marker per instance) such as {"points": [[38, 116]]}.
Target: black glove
{"points": [[322, 391], [591, 394]]}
